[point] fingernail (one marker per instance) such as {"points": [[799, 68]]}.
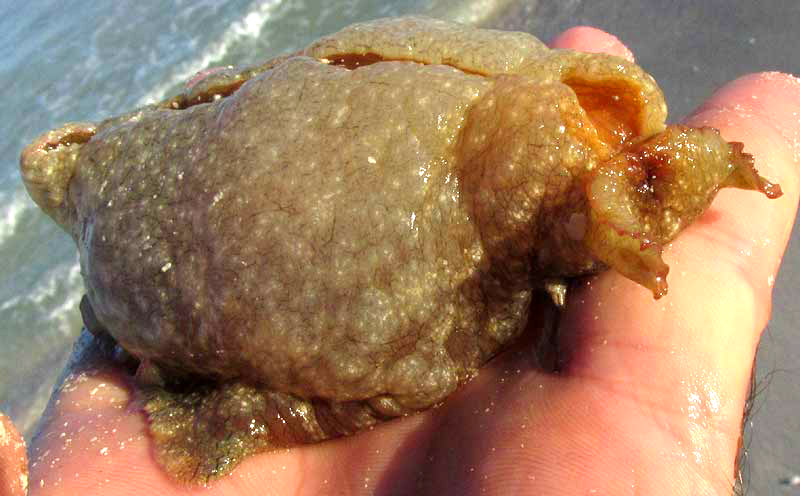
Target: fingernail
{"points": [[591, 40]]}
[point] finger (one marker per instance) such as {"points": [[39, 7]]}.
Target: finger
{"points": [[690, 354], [13, 460], [591, 40], [95, 440]]}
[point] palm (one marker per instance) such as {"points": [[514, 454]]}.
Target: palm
{"points": [[649, 399]]}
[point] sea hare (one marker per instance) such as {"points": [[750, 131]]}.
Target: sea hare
{"points": [[300, 249]]}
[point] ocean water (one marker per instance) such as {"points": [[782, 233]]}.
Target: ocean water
{"points": [[83, 61]]}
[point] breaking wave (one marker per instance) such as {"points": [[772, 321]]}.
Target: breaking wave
{"points": [[249, 26], [56, 296], [11, 212]]}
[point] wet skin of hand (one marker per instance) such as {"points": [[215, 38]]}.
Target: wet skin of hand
{"points": [[649, 399]]}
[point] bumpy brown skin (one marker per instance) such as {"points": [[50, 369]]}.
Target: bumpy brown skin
{"points": [[297, 250]]}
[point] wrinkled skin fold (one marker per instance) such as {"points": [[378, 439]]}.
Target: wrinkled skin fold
{"points": [[298, 250]]}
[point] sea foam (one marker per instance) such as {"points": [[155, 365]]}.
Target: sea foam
{"points": [[14, 206], [249, 26]]}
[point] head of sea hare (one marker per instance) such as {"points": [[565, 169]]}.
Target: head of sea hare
{"points": [[342, 235]]}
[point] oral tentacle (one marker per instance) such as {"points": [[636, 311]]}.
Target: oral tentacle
{"points": [[47, 166], [644, 196]]}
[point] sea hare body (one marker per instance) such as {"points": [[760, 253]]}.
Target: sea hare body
{"points": [[297, 250]]}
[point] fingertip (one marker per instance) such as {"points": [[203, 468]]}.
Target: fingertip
{"points": [[102, 449], [13, 460], [591, 40], [90, 430], [763, 111], [777, 92]]}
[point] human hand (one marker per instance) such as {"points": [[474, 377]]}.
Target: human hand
{"points": [[649, 398], [13, 460]]}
